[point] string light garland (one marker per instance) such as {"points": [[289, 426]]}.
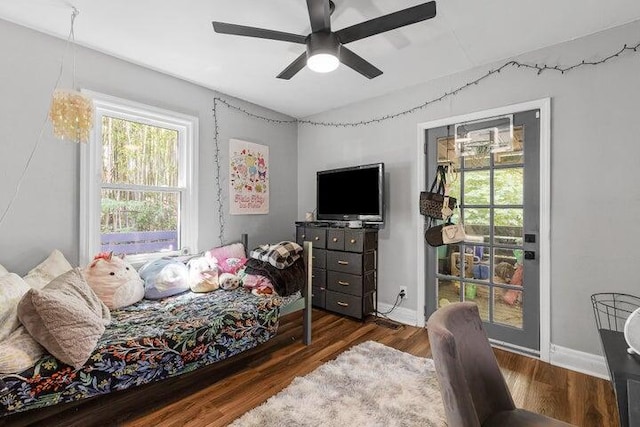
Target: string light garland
{"points": [[216, 156], [539, 68]]}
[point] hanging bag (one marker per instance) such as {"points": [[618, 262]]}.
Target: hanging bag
{"points": [[433, 235], [453, 233], [444, 234], [432, 202]]}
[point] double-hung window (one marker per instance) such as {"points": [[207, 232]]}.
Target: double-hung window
{"points": [[139, 189]]}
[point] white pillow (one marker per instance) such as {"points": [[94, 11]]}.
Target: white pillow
{"points": [[3, 270], [55, 265], [19, 352], [12, 288]]}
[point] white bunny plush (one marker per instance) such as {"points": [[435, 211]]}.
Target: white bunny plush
{"points": [[203, 273]]}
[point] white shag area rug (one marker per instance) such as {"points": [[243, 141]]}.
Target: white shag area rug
{"points": [[369, 385]]}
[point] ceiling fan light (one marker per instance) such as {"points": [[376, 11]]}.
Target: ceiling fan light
{"points": [[323, 62]]}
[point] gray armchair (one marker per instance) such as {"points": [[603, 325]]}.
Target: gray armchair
{"points": [[473, 389]]}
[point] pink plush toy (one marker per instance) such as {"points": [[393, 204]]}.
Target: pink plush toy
{"points": [[114, 280]]}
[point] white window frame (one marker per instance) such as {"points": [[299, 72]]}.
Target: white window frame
{"points": [[91, 173]]}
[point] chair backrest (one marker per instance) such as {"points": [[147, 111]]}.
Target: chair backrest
{"points": [[471, 383]]}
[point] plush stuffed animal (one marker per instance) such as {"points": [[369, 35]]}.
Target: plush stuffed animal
{"points": [[203, 273], [164, 277], [114, 280], [229, 281]]}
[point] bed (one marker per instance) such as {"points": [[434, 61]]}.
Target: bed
{"points": [[158, 339]]}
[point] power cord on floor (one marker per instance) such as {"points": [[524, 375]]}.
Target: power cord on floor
{"points": [[399, 299]]}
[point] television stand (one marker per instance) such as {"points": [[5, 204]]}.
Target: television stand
{"points": [[344, 267]]}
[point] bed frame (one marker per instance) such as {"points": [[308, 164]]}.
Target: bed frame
{"points": [[119, 406], [303, 303]]}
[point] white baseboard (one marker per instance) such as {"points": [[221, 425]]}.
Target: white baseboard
{"points": [[399, 314], [587, 363], [579, 361]]}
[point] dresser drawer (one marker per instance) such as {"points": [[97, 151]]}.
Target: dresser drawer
{"points": [[301, 235], [318, 296], [319, 258], [346, 304], [354, 240], [344, 282], [317, 236], [345, 262], [335, 239], [318, 277]]}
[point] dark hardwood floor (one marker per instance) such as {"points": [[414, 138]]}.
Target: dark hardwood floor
{"points": [[216, 397], [567, 395]]}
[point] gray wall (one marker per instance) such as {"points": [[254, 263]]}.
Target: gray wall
{"points": [[595, 152], [45, 213]]}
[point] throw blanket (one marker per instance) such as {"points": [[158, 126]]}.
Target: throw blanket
{"points": [[286, 282], [149, 341], [280, 255]]}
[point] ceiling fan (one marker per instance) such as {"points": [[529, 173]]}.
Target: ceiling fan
{"points": [[325, 48]]}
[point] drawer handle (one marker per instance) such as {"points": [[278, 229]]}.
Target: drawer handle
{"points": [[335, 239], [343, 304], [317, 238], [343, 263], [313, 276], [340, 282], [313, 257], [313, 295], [352, 241], [304, 235]]}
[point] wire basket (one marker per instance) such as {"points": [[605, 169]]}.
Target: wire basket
{"points": [[612, 309]]}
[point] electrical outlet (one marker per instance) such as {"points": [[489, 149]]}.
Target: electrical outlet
{"points": [[403, 292]]}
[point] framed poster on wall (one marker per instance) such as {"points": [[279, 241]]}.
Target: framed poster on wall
{"points": [[248, 178]]}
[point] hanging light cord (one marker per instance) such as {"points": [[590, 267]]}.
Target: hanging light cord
{"points": [[72, 40], [71, 37]]}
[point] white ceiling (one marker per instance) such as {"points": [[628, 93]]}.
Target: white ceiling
{"points": [[176, 37]]}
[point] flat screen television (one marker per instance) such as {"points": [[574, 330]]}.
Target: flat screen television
{"points": [[352, 193]]}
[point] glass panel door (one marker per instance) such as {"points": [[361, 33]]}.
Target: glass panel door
{"points": [[498, 197]]}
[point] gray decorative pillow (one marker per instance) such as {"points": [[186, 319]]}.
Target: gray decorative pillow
{"points": [[66, 317]]}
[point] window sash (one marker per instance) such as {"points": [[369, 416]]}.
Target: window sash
{"points": [[91, 173]]}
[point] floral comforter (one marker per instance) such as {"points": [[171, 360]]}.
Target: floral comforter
{"points": [[148, 341]]}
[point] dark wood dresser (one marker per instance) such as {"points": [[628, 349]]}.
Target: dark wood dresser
{"points": [[344, 276]]}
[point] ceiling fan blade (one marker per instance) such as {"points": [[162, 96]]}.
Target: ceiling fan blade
{"points": [[241, 30], [356, 62], [294, 67], [387, 22], [319, 14]]}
